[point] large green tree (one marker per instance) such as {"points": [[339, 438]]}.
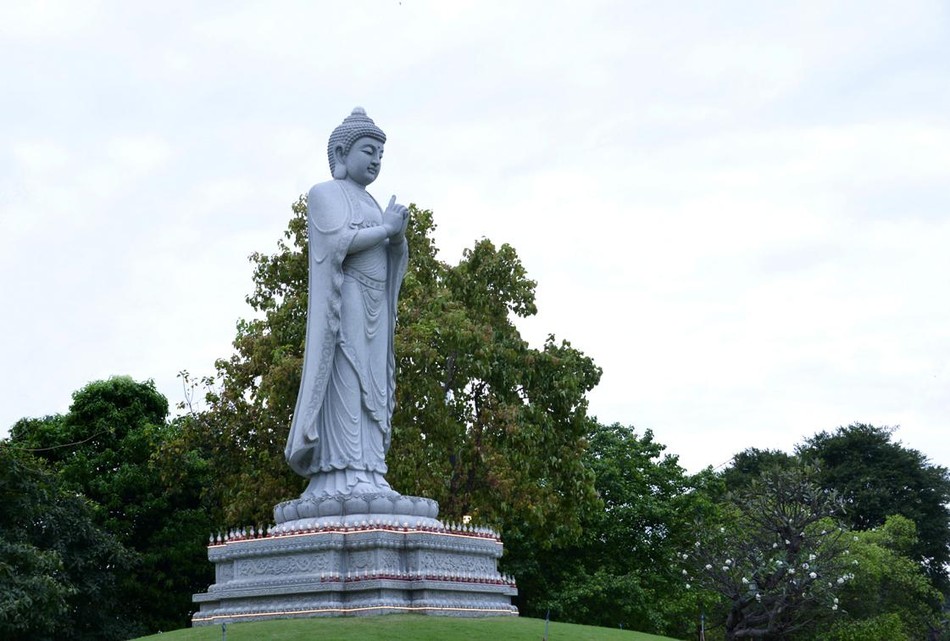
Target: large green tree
{"points": [[484, 423], [113, 446], [59, 570], [890, 598], [623, 570], [878, 478]]}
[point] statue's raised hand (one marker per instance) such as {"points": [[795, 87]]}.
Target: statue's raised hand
{"points": [[395, 218]]}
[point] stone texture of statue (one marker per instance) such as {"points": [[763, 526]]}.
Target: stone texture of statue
{"points": [[341, 426]]}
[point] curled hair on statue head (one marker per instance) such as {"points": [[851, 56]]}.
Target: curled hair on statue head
{"points": [[355, 126]]}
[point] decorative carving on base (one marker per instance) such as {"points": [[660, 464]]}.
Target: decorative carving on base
{"points": [[357, 570]]}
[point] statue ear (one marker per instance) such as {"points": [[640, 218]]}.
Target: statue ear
{"points": [[339, 167]]}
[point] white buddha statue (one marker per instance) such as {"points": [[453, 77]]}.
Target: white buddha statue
{"points": [[341, 426]]}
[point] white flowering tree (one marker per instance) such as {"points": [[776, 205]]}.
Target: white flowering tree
{"points": [[776, 559]]}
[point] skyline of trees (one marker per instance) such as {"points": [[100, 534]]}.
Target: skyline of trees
{"points": [[622, 568]]}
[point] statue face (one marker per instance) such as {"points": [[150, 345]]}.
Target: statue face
{"points": [[364, 160]]}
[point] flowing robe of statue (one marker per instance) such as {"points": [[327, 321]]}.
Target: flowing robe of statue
{"points": [[341, 427]]}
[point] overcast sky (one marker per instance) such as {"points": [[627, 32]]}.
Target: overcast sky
{"points": [[740, 210]]}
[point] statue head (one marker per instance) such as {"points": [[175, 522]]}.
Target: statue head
{"points": [[354, 127]]}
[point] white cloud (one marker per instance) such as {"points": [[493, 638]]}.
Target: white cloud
{"points": [[139, 154], [46, 20]]}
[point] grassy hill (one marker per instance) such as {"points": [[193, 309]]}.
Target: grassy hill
{"points": [[403, 627]]}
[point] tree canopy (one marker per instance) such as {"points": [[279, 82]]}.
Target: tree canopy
{"points": [[623, 570], [882, 489], [890, 597], [59, 570], [878, 478], [113, 448]]}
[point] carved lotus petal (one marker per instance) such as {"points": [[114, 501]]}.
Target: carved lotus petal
{"points": [[355, 505], [381, 505], [290, 512], [329, 507], [403, 505]]}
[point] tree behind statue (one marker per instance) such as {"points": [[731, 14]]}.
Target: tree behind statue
{"points": [[485, 424]]}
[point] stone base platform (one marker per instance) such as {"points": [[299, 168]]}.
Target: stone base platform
{"points": [[311, 568]]}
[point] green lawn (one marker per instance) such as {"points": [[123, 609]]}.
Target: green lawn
{"points": [[403, 627]]}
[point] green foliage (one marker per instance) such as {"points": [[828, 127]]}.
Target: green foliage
{"points": [[878, 478], [484, 424], [110, 447], [33, 598], [622, 571], [748, 466], [890, 592], [883, 627], [776, 558], [100, 445], [57, 567]]}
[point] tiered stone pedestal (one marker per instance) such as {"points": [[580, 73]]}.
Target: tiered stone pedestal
{"points": [[316, 567]]}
